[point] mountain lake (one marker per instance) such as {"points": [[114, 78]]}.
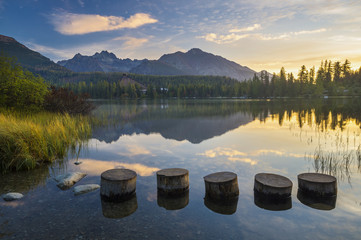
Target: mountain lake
{"points": [[285, 137]]}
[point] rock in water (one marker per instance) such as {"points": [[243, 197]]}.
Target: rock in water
{"points": [[85, 188], [12, 196], [66, 181]]}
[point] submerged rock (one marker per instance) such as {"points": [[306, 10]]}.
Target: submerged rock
{"points": [[12, 196], [85, 188], [68, 180]]}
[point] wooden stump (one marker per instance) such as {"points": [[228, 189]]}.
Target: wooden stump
{"points": [[221, 185], [272, 185], [117, 184], [317, 184], [173, 203], [119, 209], [172, 181], [316, 202], [225, 207], [280, 204]]}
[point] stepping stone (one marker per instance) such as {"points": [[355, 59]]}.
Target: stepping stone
{"points": [[172, 181], [272, 185], [317, 184], [118, 184], [66, 181], [81, 189], [221, 185], [12, 196]]}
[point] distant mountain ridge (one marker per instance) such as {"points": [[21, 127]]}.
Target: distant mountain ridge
{"points": [[99, 62], [193, 62], [26, 57]]}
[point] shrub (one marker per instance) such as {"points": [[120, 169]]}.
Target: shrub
{"points": [[65, 101]]}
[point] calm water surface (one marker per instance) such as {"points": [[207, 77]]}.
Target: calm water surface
{"points": [[204, 136]]}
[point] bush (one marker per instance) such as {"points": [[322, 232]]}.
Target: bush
{"points": [[19, 88], [65, 101]]}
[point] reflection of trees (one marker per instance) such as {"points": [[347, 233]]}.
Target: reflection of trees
{"points": [[23, 181], [323, 113]]}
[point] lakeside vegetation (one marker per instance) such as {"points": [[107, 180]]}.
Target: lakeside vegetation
{"points": [[29, 140], [29, 135]]}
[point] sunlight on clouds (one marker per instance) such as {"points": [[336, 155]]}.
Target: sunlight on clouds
{"points": [[232, 37], [237, 156], [247, 29], [223, 39], [75, 24], [131, 42], [231, 154], [96, 167], [277, 152]]}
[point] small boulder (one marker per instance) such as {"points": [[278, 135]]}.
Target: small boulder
{"points": [[66, 181], [12, 196], [85, 188]]}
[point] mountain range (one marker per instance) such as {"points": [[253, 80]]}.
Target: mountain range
{"points": [[193, 62]]}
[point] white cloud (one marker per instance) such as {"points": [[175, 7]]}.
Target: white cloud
{"points": [[224, 39], [247, 29], [77, 24], [232, 37], [131, 42], [310, 32]]}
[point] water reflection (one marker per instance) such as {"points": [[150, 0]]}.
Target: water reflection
{"points": [[173, 203], [119, 209], [320, 203], [23, 181], [96, 167], [199, 120], [263, 201], [227, 207]]}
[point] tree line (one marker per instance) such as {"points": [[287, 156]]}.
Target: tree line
{"points": [[331, 79]]}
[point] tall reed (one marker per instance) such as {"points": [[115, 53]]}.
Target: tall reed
{"points": [[27, 141]]}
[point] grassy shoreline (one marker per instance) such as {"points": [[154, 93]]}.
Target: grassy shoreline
{"points": [[32, 139]]}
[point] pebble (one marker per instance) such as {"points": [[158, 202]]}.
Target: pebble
{"points": [[12, 196], [85, 188]]}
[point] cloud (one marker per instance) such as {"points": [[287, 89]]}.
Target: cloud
{"points": [[131, 42], [232, 37], [224, 39], [247, 29], [290, 34], [231, 154], [77, 24], [96, 167]]}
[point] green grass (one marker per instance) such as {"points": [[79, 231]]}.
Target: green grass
{"points": [[29, 140]]}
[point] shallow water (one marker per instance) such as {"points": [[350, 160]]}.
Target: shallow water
{"points": [[203, 136]]}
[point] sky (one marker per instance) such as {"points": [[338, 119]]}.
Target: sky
{"points": [[260, 34]]}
